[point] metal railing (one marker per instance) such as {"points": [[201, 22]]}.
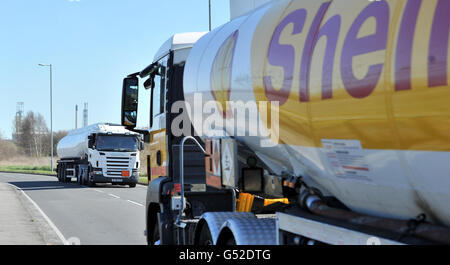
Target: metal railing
{"points": [[178, 221]]}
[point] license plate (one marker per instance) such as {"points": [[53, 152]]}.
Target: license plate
{"points": [[125, 173], [116, 180]]}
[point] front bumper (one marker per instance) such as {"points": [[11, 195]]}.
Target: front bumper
{"points": [[98, 178]]}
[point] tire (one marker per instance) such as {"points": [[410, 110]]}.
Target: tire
{"points": [[90, 183], [58, 173], [79, 178], [155, 237], [231, 242], [133, 185], [63, 173], [205, 238], [86, 179], [226, 238]]}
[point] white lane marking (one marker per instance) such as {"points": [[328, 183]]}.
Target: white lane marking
{"points": [[114, 196], [98, 190], [52, 225], [135, 203]]}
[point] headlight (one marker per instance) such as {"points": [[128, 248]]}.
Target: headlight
{"points": [[98, 171], [135, 174]]}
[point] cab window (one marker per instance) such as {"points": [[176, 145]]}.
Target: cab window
{"points": [[158, 93]]}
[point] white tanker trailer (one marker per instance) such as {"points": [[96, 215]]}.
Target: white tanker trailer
{"points": [[100, 153], [318, 121]]}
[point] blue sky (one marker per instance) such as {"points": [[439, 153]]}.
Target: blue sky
{"points": [[92, 45]]}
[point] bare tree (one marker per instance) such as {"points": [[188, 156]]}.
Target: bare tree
{"points": [[57, 136], [33, 136], [33, 133]]}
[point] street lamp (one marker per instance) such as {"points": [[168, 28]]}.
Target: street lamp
{"points": [[51, 112], [209, 15]]}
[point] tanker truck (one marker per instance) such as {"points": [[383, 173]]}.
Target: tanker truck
{"points": [[302, 122], [100, 153]]}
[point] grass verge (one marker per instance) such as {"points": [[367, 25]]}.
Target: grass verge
{"points": [[143, 179], [44, 170]]}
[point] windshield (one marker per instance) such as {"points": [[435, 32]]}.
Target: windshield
{"points": [[117, 143]]}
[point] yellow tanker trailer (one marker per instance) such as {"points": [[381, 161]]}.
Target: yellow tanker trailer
{"points": [[318, 121]]}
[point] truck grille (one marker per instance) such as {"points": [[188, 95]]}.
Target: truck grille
{"points": [[115, 165]]}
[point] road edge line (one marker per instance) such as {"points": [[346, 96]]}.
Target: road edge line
{"points": [[50, 223]]}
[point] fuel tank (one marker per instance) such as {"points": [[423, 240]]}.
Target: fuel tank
{"points": [[354, 94], [75, 144]]}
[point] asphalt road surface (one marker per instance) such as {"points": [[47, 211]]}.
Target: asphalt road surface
{"points": [[106, 214]]}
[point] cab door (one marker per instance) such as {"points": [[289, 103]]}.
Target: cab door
{"points": [[158, 135]]}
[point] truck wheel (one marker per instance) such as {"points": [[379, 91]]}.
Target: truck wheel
{"points": [[58, 173], [155, 238], [205, 238], [62, 174], [231, 242], [226, 238], [88, 176], [132, 185], [90, 183]]}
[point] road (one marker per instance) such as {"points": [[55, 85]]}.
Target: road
{"points": [[103, 215]]}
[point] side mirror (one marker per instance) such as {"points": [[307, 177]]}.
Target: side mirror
{"points": [[141, 146], [91, 140], [150, 82], [130, 92]]}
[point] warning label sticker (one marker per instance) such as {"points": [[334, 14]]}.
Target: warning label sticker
{"points": [[346, 159]]}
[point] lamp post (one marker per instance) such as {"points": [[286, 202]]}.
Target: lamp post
{"points": [[210, 24], [51, 112]]}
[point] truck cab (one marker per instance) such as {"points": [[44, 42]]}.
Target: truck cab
{"points": [[114, 158], [164, 79]]}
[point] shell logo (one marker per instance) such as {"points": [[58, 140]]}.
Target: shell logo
{"points": [[376, 71]]}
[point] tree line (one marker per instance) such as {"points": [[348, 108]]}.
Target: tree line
{"points": [[31, 137]]}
